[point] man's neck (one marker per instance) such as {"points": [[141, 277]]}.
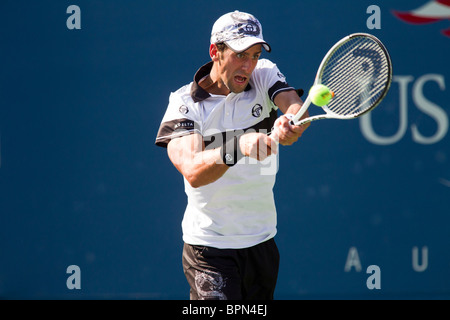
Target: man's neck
{"points": [[213, 85]]}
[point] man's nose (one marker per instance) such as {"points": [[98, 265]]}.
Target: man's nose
{"points": [[246, 65]]}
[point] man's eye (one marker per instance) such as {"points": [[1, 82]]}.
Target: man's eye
{"points": [[240, 55]]}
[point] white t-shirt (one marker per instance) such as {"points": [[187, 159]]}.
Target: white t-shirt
{"points": [[237, 210]]}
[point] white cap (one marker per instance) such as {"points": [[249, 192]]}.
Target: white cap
{"points": [[239, 31]]}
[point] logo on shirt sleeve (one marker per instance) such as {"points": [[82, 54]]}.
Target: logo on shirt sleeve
{"points": [[281, 76], [184, 109], [184, 124]]}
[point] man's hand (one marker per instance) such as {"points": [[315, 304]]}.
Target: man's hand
{"points": [[257, 145], [286, 133]]}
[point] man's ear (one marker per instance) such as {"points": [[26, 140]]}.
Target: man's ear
{"points": [[214, 52]]}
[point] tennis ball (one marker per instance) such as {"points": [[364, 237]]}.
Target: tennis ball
{"points": [[320, 95]]}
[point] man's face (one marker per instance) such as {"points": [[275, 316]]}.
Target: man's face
{"points": [[235, 69]]}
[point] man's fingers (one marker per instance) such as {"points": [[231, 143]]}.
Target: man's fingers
{"points": [[259, 146]]}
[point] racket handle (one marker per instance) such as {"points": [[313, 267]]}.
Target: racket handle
{"points": [[302, 110]]}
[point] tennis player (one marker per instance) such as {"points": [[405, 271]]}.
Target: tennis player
{"points": [[215, 131]]}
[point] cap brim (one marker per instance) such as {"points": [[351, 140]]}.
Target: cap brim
{"points": [[242, 44]]}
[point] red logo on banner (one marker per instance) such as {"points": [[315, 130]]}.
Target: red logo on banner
{"points": [[432, 11]]}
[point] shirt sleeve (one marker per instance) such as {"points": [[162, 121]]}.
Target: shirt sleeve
{"points": [[272, 79], [179, 120]]}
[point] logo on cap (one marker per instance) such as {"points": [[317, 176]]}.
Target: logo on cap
{"points": [[239, 30], [245, 25]]}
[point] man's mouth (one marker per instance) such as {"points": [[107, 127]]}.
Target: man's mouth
{"points": [[240, 79]]}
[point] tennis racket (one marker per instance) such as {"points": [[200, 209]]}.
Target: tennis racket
{"points": [[358, 70]]}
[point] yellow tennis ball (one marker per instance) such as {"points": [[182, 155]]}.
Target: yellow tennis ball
{"points": [[320, 95]]}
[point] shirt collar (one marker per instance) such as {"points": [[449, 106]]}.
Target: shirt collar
{"points": [[199, 94]]}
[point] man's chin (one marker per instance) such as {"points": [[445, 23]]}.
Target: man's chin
{"points": [[238, 88]]}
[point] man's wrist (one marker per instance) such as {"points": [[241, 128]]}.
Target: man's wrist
{"points": [[231, 151]]}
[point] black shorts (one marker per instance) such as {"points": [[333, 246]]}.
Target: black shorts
{"points": [[231, 274]]}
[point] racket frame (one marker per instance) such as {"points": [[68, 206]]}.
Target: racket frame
{"points": [[318, 79]]}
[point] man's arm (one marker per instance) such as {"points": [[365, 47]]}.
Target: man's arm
{"points": [[289, 103], [201, 166]]}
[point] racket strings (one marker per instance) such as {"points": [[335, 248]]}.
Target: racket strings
{"points": [[356, 91], [350, 85], [365, 88], [357, 72], [355, 86], [360, 95]]}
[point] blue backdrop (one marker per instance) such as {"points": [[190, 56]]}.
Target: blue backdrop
{"points": [[81, 182]]}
